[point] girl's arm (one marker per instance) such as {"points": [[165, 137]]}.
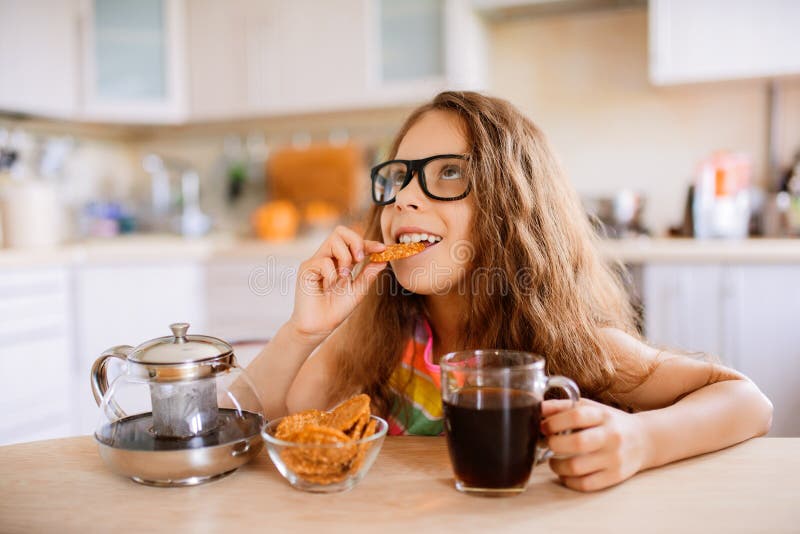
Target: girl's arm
{"points": [[691, 407], [274, 369], [293, 371], [325, 295]]}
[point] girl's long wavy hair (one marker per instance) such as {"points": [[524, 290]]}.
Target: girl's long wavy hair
{"points": [[558, 291]]}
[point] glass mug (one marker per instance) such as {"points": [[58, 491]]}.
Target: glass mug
{"points": [[492, 410]]}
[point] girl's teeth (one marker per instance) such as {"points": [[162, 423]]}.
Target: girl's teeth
{"points": [[417, 238]]}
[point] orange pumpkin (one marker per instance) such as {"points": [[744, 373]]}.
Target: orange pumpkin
{"points": [[276, 221]]}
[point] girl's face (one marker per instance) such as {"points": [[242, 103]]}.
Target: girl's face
{"points": [[441, 266]]}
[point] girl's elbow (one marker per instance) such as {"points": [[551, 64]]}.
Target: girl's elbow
{"points": [[764, 410], [767, 417]]}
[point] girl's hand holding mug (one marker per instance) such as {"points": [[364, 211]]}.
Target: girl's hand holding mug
{"points": [[326, 291], [605, 445]]}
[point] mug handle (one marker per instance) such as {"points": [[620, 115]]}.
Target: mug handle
{"points": [[571, 389]]}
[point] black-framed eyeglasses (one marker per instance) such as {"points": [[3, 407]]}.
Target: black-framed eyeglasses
{"points": [[441, 177]]}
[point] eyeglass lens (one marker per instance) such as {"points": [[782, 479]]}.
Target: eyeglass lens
{"points": [[444, 178]]}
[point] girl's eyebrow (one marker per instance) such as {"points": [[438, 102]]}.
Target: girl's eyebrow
{"points": [[456, 153]]}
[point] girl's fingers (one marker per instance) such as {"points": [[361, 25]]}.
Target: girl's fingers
{"points": [[581, 464], [374, 246], [366, 277], [551, 406], [595, 481], [329, 274], [317, 275], [353, 241], [344, 260], [582, 442], [582, 416]]}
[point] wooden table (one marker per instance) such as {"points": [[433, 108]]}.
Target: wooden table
{"points": [[62, 486]]}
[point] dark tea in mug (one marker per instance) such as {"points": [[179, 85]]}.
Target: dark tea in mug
{"points": [[492, 401], [492, 434]]}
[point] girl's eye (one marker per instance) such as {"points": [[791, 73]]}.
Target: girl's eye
{"points": [[451, 172]]}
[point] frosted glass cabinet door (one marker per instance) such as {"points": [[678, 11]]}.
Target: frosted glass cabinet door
{"points": [[417, 48], [131, 57], [411, 40], [129, 49]]}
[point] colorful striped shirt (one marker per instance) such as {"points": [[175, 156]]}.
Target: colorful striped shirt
{"points": [[416, 383]]}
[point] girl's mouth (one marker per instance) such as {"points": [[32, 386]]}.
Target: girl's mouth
{"points": [[428, 240]]}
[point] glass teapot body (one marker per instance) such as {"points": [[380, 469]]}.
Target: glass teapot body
{"points": [[177, 394]]}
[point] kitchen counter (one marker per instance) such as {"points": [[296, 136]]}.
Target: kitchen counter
{"points": [[138, 248], [165, 248], [669, 250], [62, 486]]}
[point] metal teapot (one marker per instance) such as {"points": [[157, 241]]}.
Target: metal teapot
{"points": [[182, 412]]}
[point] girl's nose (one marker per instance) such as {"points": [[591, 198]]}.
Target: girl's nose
{"points": [[410, 197]]}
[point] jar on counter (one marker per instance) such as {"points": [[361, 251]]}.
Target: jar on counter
{"points": [[30, 213]]}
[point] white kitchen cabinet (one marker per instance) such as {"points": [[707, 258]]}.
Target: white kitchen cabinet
{"points": [[683, 307], [134, 60], [319, 56], [39, 60], [306, 55], [250, 299], [216, 48], [744, 314], [177, 61], [707, 40], [130, 61], [36, 354], [127, 305], [418, 48], [166, 61], [55, 321], [764, 338]]}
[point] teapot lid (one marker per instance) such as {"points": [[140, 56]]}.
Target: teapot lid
{"points": [[180, 348]]}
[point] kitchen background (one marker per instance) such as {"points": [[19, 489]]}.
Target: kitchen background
{"points": [[175, 160]]}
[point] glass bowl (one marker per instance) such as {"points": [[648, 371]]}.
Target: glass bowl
{"points": [[326, 467]]}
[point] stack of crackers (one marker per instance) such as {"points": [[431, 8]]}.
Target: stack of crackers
{"points": [[345, 425]]}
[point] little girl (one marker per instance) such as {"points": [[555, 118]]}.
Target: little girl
{"points": [[510, 262]]}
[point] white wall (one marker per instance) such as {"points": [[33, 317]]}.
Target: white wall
{"points": [[583, 80]]}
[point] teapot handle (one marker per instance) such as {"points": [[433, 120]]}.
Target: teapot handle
{"points": [[99, 374]]}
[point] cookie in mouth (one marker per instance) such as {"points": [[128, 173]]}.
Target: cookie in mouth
{"points": [[398, 251]]}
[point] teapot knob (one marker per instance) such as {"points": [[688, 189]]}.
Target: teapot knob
{"points": [[179, 331]]}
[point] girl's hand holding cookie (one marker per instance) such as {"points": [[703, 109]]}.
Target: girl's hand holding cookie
{"points": [[605, 446], [326, 290]]}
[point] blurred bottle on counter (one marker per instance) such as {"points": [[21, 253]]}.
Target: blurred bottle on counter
{"points": [[106, 219], [789, 198], [721, 196], [171, 209], [30, 213]]}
